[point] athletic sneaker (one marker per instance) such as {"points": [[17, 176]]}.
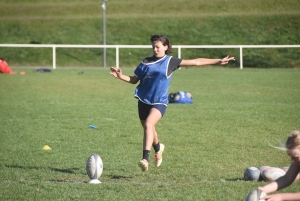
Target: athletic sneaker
{"points": [[158, 156], [143, 164]]}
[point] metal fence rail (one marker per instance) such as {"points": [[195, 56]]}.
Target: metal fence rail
{"points": [[117, 47]]}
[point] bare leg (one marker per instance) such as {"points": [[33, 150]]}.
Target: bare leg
{"points": [[150, 134], [155, 138]]}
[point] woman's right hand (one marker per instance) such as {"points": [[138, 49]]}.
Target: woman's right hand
{"points": [[116, 72]]}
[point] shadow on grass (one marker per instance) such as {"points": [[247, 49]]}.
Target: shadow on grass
{"points": [[68, 170], [241, 179], [118, 177], [235, 179], [67, 181]]}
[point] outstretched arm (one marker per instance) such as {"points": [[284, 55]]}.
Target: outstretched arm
{"points": [[283, 196], [205, 61], [281, 183], [117, 73]]}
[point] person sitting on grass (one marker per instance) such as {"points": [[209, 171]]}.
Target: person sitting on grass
{"points": [[5, 69], [154, 75], [292, 147]]}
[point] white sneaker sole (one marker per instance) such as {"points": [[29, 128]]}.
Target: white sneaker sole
{"points": [[158, 162], [143, 165]]}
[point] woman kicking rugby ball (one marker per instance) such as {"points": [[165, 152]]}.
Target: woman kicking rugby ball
{"points": [[154, 75]]}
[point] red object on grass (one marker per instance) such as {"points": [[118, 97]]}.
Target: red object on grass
{"points": [[4, 68]]}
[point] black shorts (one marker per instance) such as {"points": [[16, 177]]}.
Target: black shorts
{"points": [[144, 109]]}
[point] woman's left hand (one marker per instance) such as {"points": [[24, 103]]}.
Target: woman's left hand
{"points": [[274, 197], [225, 60]]}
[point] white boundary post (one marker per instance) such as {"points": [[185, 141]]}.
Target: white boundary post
{"points": [[179, 52], [117, 57], [54, 56], [241, 57]]}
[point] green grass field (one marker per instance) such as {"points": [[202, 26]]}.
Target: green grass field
{"points": [[132, 22], [209, 144]]}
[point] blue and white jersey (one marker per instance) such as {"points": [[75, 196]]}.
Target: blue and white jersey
{"points": [[155, 77]]}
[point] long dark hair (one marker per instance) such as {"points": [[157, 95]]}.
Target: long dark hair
{"points": [[164, 40]]}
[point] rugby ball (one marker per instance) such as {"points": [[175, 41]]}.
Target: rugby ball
{"points": [[298, 177], [261, 169], [189, 94], [94, 168], [272, 173], [251, 174], [255, 195], [285, 168]]}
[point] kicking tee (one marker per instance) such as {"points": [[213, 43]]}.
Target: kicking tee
{"points": [[155, 75]]}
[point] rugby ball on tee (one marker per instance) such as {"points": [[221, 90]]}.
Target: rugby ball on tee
{"points": [[94, 168], [272, 173], [255, 195], [251, 174]]}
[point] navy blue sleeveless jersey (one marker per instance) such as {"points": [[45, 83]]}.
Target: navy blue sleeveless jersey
{"points": [[155, 75]]}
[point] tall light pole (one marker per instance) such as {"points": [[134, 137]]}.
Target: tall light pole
{"points": [[104, 31]]}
